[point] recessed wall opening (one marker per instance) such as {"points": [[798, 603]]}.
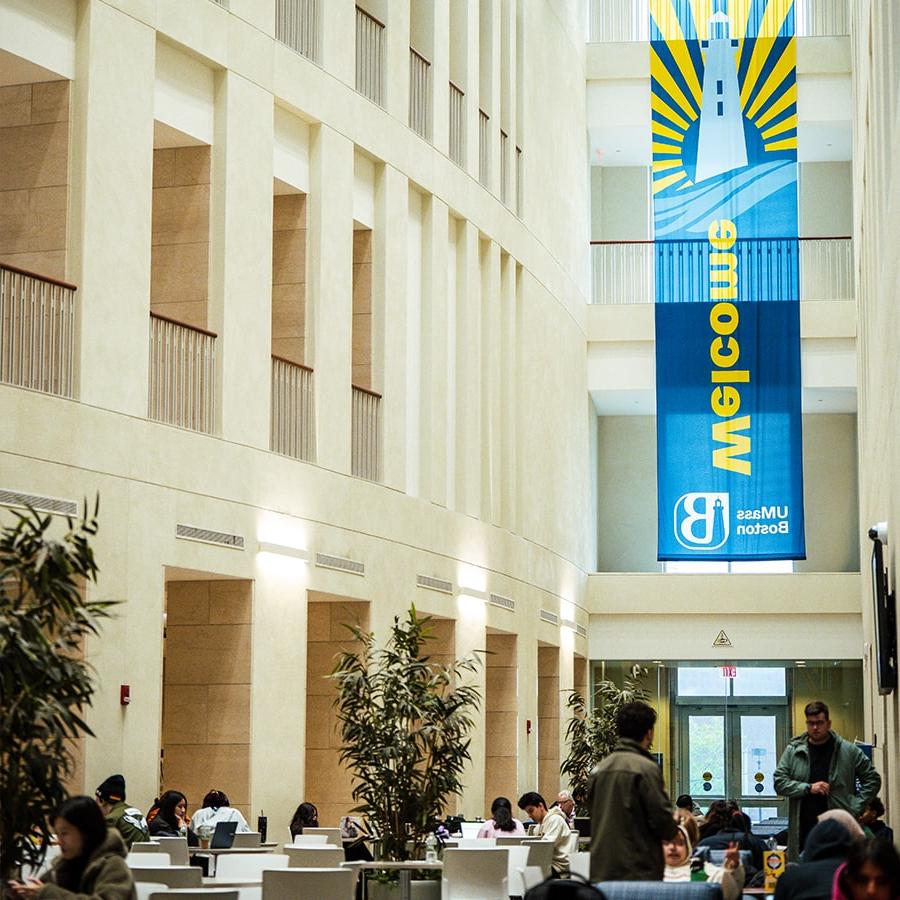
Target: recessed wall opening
{"points": [[328, 782], [501, 717], [206, 688], [548, 721]]}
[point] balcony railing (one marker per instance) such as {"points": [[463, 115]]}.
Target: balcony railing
{"points": [[629, 20], [369, 56], [293, 421], [297, 26], [37, 332], [504, 166], [626, 271], [484, 148], [182, 374], [419, 94], [365, 455], [457, 125]]}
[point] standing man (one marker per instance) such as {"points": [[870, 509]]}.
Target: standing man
{"points": [[631, 814], [552, 826], [819, 771]]}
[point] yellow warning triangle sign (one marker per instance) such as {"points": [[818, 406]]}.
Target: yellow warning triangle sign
{"points": [[722, 640]]}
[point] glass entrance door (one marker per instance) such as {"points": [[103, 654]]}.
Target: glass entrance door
{"points": [[730, 752]]}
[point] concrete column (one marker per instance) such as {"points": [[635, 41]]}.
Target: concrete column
{"points": [[440, 79], [471, 88], [110, 216], [338, 40], [471, 637], [435, 363], [491, 378], [241, 257], [468, 374], [396, 59], [330, 285], [527, 655], [508, 377], [496, 116], [391, 345]]}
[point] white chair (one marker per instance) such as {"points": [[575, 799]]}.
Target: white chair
{"points": [[476, 843], [171, 876], [475, 874], [515, 872], [540, 854], [176, 847], [144, 889], [145, 847], [308, 840], [248, 865], [249, 840], [324, 856], [580, 864], [574, 838], [511, 841], [470, 829], [326, 884], [146, 860], [201, 894], [332, 835]]}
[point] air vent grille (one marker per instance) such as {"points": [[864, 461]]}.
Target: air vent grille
{"points": [[581, 630], [504, 602], [207, 536], [547, 616], [568, 623], [36, 501], [339, 563], [434, 584]]}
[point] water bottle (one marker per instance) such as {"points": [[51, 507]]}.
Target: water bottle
{"points": [[431, 848], [771, 843], [262, 825]]}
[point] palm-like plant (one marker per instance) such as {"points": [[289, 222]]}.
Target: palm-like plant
{"points": [[44, 681], [592, 734], [405, 724]]}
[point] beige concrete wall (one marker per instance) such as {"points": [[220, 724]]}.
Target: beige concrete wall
{"points": [[329, 785], [362, 308], [289, 277], [179, 285], [549, 719], [206, 690], [34, 156], [501, 720]]}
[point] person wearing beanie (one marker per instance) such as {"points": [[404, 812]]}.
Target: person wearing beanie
{"points": [[127, 820], [677, 854]]}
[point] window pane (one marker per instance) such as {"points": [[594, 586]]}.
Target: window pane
{"points": [[763, 566], [759, 813], [699, 567], [758, 759], [759, 682], [701, 682], [706, 756]]}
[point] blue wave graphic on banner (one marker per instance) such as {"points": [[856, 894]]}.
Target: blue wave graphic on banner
{"points": [[724, 122]]}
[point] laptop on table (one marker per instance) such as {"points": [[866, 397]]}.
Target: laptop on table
{"points": [[223, 836]]}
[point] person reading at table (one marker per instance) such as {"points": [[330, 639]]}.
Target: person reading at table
{"points": [[677, 855]]}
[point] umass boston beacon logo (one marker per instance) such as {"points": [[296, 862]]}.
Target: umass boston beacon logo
{"points": [[703, 520]]}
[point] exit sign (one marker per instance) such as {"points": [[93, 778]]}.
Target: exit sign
{"points": [[729, 671]]}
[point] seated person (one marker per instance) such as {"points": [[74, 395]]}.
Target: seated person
{"points": [[872, 872], [127, 820], [730, 828], [305, 816], [501, 823], [677, 854], [871, 819], [217, 808], [171, 818], [686, 802], [91, 862], [551, 826], [827, 847]]}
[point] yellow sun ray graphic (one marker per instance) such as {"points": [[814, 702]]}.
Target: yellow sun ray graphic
{"points": [[667, 21], [663, 165], [666, 149], [662, 75], [779, 106], [668, 180], [788, 124], [657, 104], [701, 10], [787, 144], [665, 131], [782, 70], [773, 18]]}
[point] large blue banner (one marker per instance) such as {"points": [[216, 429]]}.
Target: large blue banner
{"points": [[729, 442]]}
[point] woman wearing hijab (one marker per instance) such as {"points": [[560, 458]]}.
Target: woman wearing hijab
{"points": [[677, 854]]}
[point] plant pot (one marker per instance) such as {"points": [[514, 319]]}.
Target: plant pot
{"points": [[420, 890]]}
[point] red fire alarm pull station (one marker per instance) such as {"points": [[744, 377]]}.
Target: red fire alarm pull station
{"points": [[124, 694], [528, 726]]}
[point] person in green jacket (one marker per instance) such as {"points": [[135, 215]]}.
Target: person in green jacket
{"points": [[819, 770], [631, 814], [91, 863], [127, 820]]}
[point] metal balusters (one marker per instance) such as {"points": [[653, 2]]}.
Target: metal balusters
{"points": [[826, 268], [457, 125], [484, 148], [297, 26], [419, 94], [369, 56], [504, 166], [293, 421], [365, 436], [623, 273]]}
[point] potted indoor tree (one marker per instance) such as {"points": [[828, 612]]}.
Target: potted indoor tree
{"points": [[405, 722], [591, 733], [45, 683]]}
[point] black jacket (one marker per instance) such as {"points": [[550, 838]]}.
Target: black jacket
{"points": [[826, 848]]}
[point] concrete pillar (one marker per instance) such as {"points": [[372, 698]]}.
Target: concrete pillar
{"points": [[396, 59], [440, 79], [110, 216], [491, 377], [508, 409], [241, 257], [471, 637], [338, 40], [329, 301]]}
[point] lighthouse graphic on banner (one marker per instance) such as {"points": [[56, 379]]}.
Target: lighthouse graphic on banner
{"points": [[721, 145]]}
